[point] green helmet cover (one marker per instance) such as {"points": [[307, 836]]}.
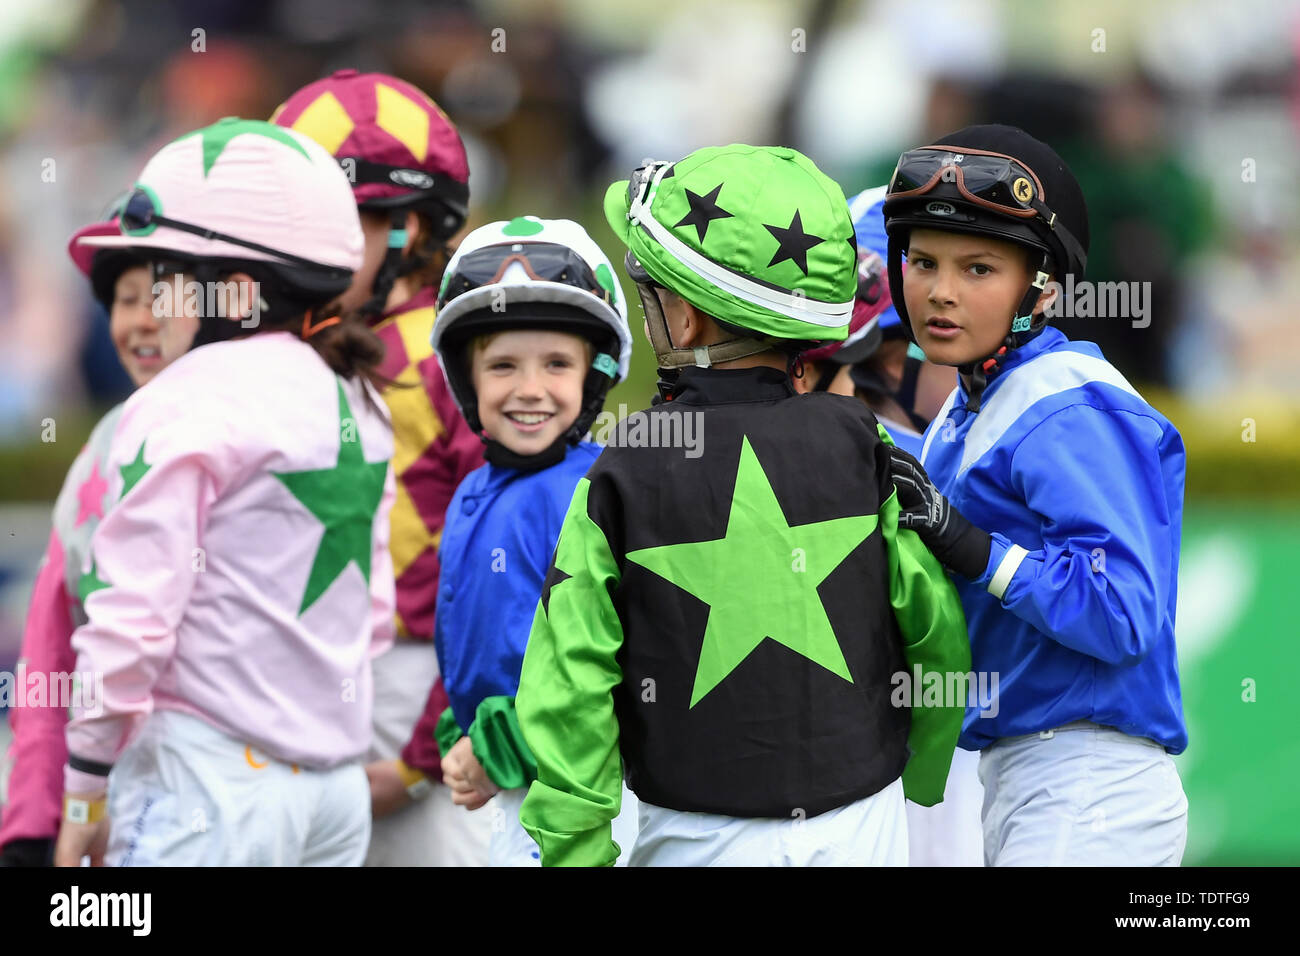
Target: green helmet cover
{"points": [[756, 236]]}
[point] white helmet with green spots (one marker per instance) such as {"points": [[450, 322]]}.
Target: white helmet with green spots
{"points": [[532, 273], [756, 237]]}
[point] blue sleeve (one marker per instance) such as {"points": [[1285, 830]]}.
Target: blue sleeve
{"points": [[1100, 581], [440, 637]]}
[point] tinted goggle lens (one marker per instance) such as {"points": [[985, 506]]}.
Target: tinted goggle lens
{"points": [[640, 179], [544, 261], [989, 177], [138, 212]]}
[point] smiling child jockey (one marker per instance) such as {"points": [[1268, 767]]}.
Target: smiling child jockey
{"points": [[240, 584], [724, 629], [532, 333], [29, 818], [410, 180], [1055, 494]]}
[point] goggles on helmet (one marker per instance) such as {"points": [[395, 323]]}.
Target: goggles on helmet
{"points": [[543, 261], [872, 280], [986, 179], [139, 217]]}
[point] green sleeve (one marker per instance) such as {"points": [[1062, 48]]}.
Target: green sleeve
{"points": [[935, 639], [499, 745], [446, 732], [565, 702]]}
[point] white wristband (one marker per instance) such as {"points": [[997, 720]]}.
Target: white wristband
{"points": [[1006, 571]]}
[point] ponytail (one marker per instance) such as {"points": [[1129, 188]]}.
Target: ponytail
{"points": [[345, 343], [343, 340]]}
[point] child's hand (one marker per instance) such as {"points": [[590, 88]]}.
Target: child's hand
{"points": [[77, 840], [387, 790], [958, 544], [470, 785]]}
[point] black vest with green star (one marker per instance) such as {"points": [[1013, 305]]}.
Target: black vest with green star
{"points": [[758, 636]]}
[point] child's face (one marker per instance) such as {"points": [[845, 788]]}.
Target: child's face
{"points": [[145, 344], [529, 386], [961, 293]]}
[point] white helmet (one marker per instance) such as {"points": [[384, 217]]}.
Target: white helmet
{"points": [[532, 273]]}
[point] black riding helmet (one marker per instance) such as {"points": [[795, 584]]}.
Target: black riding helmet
{"points": [[995, 181]]}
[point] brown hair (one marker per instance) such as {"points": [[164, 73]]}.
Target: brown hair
{"points": [[345, 343], [430, 251], [343, 340]]}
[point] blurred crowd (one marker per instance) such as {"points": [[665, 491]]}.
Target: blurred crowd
{"points": [[1180, 119]]}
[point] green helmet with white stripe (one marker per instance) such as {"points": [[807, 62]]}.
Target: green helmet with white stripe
{"points": [[756, 237]]}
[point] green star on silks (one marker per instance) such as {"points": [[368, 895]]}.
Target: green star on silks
{"points": [[89, 583], [134, 471], [757, 561], [345, 498], [218, 136]]}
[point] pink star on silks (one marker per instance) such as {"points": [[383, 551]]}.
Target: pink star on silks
{"points": [[90, 497]]}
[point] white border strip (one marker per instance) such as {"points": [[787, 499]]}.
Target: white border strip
{"points": [[1006, 570], [940, 421], [1043, 376], [801, 308]]}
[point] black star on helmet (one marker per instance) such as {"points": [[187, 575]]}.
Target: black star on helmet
{"points": [[794, 243], [704, 209]]}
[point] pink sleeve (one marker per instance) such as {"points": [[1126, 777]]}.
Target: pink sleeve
{"points": [[38, 750], [383, 589], [142, 553]]}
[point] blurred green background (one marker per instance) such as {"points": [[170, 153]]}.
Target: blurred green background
{"points": [[1181, 118]]}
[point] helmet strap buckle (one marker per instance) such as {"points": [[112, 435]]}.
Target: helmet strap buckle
{"points": [[992, 363], [390, 267]]}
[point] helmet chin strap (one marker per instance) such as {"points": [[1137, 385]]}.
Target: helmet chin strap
{"points": [[669, 356], [905, 397], [501, 456], [666, 383], [395, 264], [218, 328], [1025, 325]]}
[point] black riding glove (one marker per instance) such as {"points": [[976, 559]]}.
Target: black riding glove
{"points": [[958, 544]]}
